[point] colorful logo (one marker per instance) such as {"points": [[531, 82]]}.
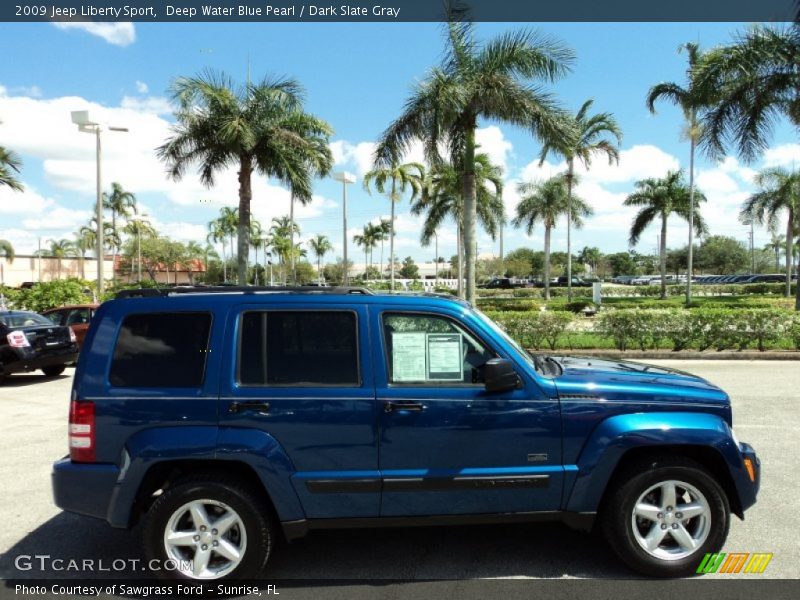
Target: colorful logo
{"points": [[735, 562]]}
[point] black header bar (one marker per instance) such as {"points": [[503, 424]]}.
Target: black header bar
{"points": [[399, 10]]}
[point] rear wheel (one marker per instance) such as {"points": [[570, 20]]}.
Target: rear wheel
{"points": [[53, 371], [208, 528], [665, 515]]}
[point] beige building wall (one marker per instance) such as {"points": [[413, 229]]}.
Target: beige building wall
{"points": [[33, 269]]}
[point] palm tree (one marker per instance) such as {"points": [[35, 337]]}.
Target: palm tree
{"points": [[546, 202], [383, 232], [368, 239], [281, 233], [120, 203], [779, 190], [588, 136], [590, 256], [320, 246], [10, 164], [692, 99], [776, 244], [754, 80], [393, 181], [84, 238], [138, 229], [476, 81], [60, 249], [662, 198], [258, 127], [442, 198], [7, 251], [217, 234]]}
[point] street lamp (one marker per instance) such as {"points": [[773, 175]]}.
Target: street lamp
{"points": [[140, 220], [345, 178], [86, 125]]}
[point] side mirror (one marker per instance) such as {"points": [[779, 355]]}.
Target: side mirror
{"points": [[499, 375]]}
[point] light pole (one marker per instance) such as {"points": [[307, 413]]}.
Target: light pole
{"points": [[86, 125], [436, 258], [345, 178]]}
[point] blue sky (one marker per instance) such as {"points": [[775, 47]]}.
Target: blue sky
{"points": [[357, 77]]}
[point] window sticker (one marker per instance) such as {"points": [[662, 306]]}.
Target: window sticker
{"points": [[408, 356], [445, 356]]}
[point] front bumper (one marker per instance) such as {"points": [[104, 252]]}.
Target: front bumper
{"points": [[85, 489]]}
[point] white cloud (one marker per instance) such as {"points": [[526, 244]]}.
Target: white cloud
{"points": [[141, 87], [491, 141], [358, 156], [785, 155], [118, 34], [156, 105], [2, 90]]}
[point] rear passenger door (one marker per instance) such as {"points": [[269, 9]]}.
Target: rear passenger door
{"points": [[301, 374]]}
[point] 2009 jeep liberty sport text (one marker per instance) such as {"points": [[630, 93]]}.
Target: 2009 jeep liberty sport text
{"points": [[225, 417]]}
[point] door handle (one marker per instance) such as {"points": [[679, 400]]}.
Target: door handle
{"points": [[237, 407], [391, 406]]}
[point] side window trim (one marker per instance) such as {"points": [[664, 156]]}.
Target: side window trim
{"points": [[237, 382], [428, 383]]}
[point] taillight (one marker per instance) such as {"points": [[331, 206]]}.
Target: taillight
{"points": [[17, 339], [72, 337], [81, 431]]}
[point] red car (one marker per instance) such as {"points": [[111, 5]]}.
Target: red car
{"points": [[77, 317]]}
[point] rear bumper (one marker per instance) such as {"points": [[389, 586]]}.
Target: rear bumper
{"points": [[85, 489], [25, 359]]}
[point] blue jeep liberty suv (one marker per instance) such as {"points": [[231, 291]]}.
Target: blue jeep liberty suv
{"points": [[223, 418]]}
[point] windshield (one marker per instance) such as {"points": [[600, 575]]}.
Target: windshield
{"points": [[543, 364], [24, 319]]}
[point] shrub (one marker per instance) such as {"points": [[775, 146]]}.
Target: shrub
{"points": [[794, 331], [622, 326], [52, 294], [534, 329]]}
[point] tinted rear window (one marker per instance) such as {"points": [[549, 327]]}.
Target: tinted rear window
{"points": [[24, 319], [306, 348], [161, 350]]}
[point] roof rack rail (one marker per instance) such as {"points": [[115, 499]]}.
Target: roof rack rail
{"points": [[245, 289]]}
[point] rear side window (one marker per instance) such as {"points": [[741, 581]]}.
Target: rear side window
{"points": [[166, 350], [298, 348]]}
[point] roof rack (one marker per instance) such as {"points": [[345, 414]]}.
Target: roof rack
{"points": [[244, 289]]}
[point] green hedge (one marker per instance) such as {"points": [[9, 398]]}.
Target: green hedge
{"points": [[51, 294], [647, 291], [676, 329]]}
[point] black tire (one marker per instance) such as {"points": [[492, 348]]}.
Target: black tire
{"points": [[54, 371], [617, 512], [246, 501]]}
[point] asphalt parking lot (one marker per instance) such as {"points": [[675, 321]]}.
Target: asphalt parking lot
{"points": [[766, 394]]}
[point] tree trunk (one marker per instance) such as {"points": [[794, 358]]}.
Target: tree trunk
{"points": [[570, 175], [690, 252], [459, 263], [391, 236], [789, 252], [662, 259], [470, 211], [291, 238], [381, 275], [547, 262], [114, 255], [245, 196]]}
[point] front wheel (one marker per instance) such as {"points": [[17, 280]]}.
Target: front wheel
{"points": [[208, 528], [665, 515]]}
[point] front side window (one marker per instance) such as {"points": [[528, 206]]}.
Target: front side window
{"points": [[298, 348], [428, 349], [166, 350]]}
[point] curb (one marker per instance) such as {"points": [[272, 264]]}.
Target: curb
{"points": [[683, 355]]}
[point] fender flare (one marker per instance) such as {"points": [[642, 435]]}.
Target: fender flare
{"points": [[618, 434], [157, 445]]}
